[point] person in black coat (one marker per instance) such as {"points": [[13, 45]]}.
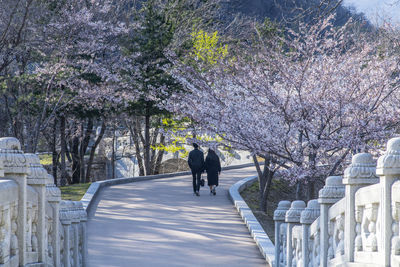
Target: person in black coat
{"points": [[213, 168], [196, 164]]}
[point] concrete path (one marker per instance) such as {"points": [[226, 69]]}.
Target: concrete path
{"points": [[161, 223]]}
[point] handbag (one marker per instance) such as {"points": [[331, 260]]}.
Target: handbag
{"points": [[202, 182]]}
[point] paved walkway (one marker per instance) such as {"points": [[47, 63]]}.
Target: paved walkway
{"points": [[161, 223]]}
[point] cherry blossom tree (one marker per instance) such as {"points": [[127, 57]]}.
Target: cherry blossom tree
{"points": [[304, 101], [82, 67], [60, 61]]}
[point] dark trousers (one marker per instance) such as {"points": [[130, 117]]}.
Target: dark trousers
{"points": [[196, 181]]}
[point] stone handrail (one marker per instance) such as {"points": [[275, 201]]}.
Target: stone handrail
{"points": [[297, 240], [355, 221], [336, 217], [314, 240], [8, 222], [367, 203], [36, 227]]}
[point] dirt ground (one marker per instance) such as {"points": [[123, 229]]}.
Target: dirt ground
{"points": [[174, 165]]}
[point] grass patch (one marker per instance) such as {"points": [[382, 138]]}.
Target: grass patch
{"points": [[74, 192], [252, 196], [46, 159]]}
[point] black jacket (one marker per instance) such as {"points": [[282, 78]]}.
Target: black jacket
{"points": [[213, 168], [196, 160]]}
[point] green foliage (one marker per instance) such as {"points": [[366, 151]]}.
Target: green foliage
{"points": [[46, 159], [91, 77], [147, 46], [268, 29], [3, 84], [178, 140], [175, 125], [207, 48], [207, 138], [270, 35], [176, 145]]}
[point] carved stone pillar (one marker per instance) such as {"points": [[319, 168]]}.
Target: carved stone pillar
{"points": [[388, 170], [16, 168], [279, 218], [65, 219], [83, 234], [75, 220], [331, 193], [53, 196], [37, 178], [360, 173], [307, 217], [292, 218]]}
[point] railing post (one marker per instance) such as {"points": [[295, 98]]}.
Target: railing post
{"points": [[332, 192], [360, 173], [75, 219], [16, 168], [292, 218], [65, 219], [83, 233], [307, 217], [53, 195], [37, 178], [388, 170], [279, 218]]}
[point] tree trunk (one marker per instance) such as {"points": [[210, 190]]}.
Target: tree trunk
{"points": [[63, 180], [75, 160], [153, 153], [54, 151], [265, 180], [82, 154], [338, 162], [84, 146], [310, 190], [147, 142], [267, 189], [298, 190], [160, 156], [135, 130], [93, 151], [113, 155], [260, 179]]}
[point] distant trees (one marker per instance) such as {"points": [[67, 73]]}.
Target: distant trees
{"points": [[58, 67], [69, 67]]}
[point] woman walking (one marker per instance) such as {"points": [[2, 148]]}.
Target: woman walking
{"points": [[213, 167]]}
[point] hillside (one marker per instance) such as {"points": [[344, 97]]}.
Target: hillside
{"points": [[286, 10]]}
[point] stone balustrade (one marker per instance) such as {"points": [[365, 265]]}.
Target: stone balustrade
{"points": [[36, 227], [354, 222]]}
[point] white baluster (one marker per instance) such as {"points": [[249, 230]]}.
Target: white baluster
{"points": [[279, 218], [16, 168], [292, 218], [332, 192], [388, 170], [360, 173], [308, 216]]}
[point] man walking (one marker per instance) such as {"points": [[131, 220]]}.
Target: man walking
{"points": [[196, 164]]}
